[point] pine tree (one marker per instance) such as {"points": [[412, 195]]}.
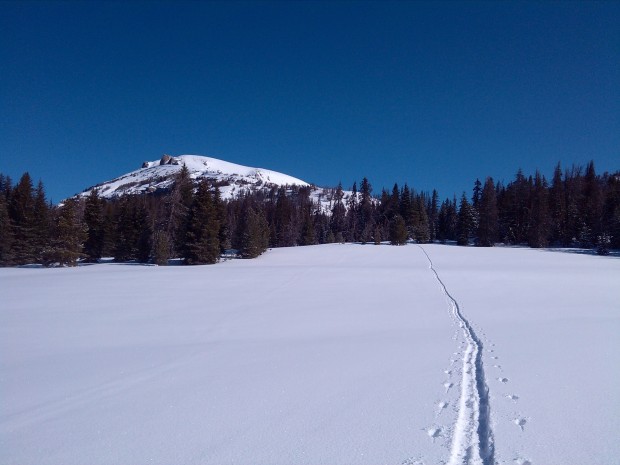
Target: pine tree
{"points": [[203, 244], [22, 215], [41, 221], [433, 216], [352, 233], [538, 230], [254, 232], [557, 207], [465, 223], [65, 248], [94, 221], [161, 248], [398, 231], [592, 206], [487, 215], [365, 212], [421, 228], [339, 211], [180, 202], [6, 233], [284, 220]]}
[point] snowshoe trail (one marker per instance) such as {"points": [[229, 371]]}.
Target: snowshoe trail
{"points": [[472, 438]]}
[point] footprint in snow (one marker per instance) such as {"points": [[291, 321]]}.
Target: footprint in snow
{"points": [[512, 397], [412, 461], [520, 422], [502, 380], [497, 366], [448, 372], [494, 357], [441, 406], [523, 462], [447, 386], [433, 432]]}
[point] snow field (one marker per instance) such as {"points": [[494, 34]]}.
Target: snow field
{"points": [[339, 354], [310, 355]]}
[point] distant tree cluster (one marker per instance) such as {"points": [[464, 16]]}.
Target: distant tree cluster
{"points": [[578, 208]]}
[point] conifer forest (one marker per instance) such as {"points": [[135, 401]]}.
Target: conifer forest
{"points": [[576, 208]]}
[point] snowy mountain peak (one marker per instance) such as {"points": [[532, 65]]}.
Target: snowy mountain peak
{"points": [[159, 175]]}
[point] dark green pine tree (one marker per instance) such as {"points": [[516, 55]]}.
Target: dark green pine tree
{"points": [[338, 217], [41, 221], [220, 212], [538, 231], [465, 222], [433, 216], [254, 231], [144, 229], [308, 236], [406, 209], [6, 233], [132, 231], [22, 215], [179, 203], [592, 206], [352, 230], [487, 215], [398, 231], [284, 220], [421, 228], [365, 212], [202, 238], [94, 221], [68, 237], [557, 208]]}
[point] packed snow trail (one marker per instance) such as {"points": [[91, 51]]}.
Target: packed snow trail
{"points": [[472, 440]]}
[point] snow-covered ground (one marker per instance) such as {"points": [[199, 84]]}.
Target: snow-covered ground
{"points": [[337, 354]]}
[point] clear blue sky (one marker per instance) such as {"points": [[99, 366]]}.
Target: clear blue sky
{"points": [[433, 94]]}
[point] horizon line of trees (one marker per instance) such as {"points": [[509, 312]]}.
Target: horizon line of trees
{"points": [[576, 208]]}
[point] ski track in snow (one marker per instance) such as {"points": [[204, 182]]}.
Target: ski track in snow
{"points": [[472, 439]]}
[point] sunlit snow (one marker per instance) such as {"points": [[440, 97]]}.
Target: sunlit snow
{"points": [[335, 354]]}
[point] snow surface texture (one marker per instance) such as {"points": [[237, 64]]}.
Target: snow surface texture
{"points": [[235, 179], [337, 354]]}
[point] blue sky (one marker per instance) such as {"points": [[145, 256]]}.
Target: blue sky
{"points": [[433, 94]]}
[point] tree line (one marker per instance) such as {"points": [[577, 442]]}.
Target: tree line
{"points": [[576, 208]]}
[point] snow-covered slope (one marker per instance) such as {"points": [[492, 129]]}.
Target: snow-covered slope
{"points": [[159, 174], [232, 179], [334, 354]]}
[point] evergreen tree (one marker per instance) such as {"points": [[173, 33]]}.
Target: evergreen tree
{"points": [[433, 217], [487, 215], [22, 215], [6, 233], [65, 248], [94, 221], [180, 202], [144, 227], [339, 211], [254, 232], [41, 221], [365, 212], [284, 220], [161, 248], [398, 231], [557, 207], [465, 223], [353, 232], [421, 227], [203, 244], [538, 230], [592, 206]]}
